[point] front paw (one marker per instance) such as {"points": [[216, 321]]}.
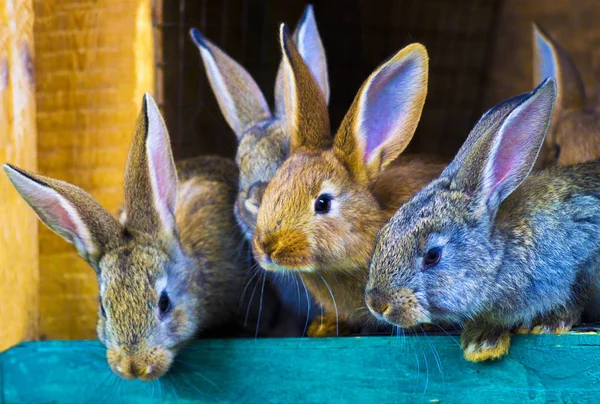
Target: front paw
{"points": [[552, 324], [327, 326], [481, 343]]}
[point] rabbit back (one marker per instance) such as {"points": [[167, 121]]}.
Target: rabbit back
{"points": [[550, 228]]}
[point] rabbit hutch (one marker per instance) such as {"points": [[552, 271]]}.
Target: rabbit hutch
{"points": [[72, 78]]}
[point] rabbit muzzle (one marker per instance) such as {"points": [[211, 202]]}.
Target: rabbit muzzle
{"points": [[283, 251], [400, 307], [142, 364]]}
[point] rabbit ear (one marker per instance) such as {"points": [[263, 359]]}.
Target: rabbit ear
{"points": [[150, 175], [241, 101], [69, 211], [503, 157], [306, 110], [311, 49], [385, 113], [551, 60]]}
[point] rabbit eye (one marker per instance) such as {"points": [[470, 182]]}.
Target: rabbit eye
{"points": [[164, 304], [556, 151], [102, 307], [323, 203], [432, 257]]}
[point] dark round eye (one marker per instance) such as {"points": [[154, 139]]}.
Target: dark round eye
{"points": [[432, 257], [102, 307], [164, 304], [556, 151], [323, 203]]}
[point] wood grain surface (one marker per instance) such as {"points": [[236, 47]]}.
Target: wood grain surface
{"points": [[93, 63], [539, 369], [18, 226]]}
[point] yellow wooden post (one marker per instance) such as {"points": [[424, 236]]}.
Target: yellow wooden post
{"points": [[18, 226], [94, 61]]}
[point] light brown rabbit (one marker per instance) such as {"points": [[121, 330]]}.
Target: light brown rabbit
{"points": [[170, 271], [574, 134], [322, 210]]}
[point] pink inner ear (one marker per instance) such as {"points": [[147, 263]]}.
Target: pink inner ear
{"points": [[62, 217], [46, 202], [517, 144], [161, 165], [163, 172], [388, 103]]}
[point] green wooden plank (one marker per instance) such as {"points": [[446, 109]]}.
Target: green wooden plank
{"points": [[538, 369]]}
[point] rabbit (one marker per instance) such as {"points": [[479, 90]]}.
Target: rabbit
{"points": [[574, 133], [322, 209], [263, 139], [170, 271], [490, 245]]}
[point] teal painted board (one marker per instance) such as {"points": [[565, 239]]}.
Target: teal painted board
{"points": [[427, 369]]}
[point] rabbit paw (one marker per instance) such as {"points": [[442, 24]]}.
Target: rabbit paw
{"points": [[327, 326], [553, 324], [484, 343]]}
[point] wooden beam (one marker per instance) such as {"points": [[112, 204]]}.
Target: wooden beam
{"points": [[94, 61], [18, 226], [539, 369]]}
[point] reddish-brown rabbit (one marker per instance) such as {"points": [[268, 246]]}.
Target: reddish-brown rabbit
{"points": [[322, 210]]}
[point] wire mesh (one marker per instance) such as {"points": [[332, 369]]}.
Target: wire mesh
{"points": [[357, 34]]}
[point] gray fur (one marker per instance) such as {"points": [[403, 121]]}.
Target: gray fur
{"points": [[524, 258]]}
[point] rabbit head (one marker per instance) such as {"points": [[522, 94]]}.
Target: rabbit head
{"points": [[574, 133], [318, 211], [146, 309], [437, 259], [263, 139]]}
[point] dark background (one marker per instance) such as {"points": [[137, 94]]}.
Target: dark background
{"points": [[480, 53]]}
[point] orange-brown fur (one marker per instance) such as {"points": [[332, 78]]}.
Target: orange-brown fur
{"points": [[331, 252]]}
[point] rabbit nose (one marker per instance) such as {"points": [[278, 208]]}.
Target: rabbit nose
{"points": [[129, 368], [266, 247], [377, 303]]}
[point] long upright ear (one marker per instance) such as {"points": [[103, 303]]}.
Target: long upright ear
{"points": [[487, 125], [69, 211], [385, 113], [310, 47], [551, 60], [241, 101], [150, 175], [306, 109], [501, 159]]}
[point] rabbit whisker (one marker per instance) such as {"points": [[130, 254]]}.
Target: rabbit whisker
{"points": [[187, 381], [334, 305], [260, 305], [250, 304], [436, 356], [307, 306]]}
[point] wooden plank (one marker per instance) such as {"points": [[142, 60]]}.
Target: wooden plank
{"points": [[94, 61], [18, 227], [538, 369]]}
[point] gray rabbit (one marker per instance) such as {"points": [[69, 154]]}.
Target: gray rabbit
{"points": [[263, 136], [487, 244]]}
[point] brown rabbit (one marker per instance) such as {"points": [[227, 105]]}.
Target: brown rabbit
{"points": [[322, 210], [170, 271], [574, 134]]}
